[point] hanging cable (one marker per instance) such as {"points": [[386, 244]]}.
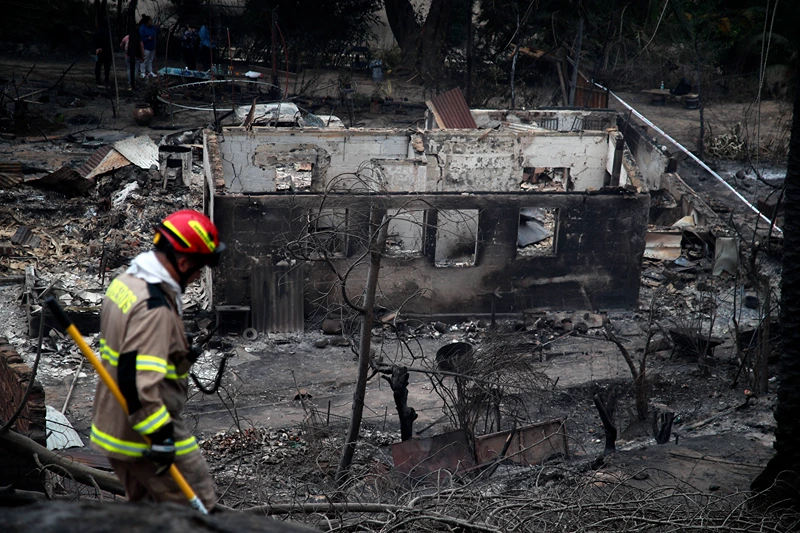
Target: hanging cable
{"points": [[766, 40], [658, 24]]}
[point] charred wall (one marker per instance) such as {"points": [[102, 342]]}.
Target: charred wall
{"points": [[594, 261]]}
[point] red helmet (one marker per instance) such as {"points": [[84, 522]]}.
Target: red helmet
{"points": [[191, 232]]}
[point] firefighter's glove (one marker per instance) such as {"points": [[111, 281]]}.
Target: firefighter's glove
{"points": [[194, 353], [162, 449], [195, 350]]}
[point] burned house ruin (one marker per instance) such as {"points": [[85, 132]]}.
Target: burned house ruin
{"points": [[530, 210]]}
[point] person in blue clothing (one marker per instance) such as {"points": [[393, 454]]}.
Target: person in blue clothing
{"points": [[189, 43], [206, 48], [148, 31]]}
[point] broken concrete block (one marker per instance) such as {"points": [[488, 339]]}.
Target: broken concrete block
{"points": [[340, 341], [321, 343]]}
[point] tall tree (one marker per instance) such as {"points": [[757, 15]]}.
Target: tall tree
{"points": [[781, 477], [422, 43]]}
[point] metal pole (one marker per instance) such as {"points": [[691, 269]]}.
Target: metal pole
{"points": [[113, 61]]}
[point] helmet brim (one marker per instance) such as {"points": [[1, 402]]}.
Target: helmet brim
{"points": [[213, 259]]}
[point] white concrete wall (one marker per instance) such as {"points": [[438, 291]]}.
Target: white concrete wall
{"points": [[454, 160], [470, 161], [585, 155]]}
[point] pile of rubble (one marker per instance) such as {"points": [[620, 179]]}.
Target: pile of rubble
{"points": [[68, 235], [267, 445]]}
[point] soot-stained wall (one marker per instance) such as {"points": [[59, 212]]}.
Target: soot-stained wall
{"points": [[595, 261]]}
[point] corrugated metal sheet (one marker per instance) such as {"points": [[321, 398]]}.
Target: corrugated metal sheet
{"points": [[105, 159], [531, 445], [86, 456], [64, 180], [25, 237], [141, 151], [60, 433], [451, 110], [10, 175], [277, 297]]}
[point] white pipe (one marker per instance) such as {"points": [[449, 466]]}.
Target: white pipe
{"points": [[690, 154]]}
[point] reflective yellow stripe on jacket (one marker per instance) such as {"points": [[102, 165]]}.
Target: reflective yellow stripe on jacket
{"points": [[108, 354], [136, 449], [153, 363], [153, 422], [182, 447], [115, 445]]}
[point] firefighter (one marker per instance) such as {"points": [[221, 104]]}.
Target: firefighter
{"points": [[144, 347]]}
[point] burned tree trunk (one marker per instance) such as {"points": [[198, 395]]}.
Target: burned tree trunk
{"points": [[608, 426], [781, 477], [378, 232], [662, 426], [421, 45], [406, 414]]}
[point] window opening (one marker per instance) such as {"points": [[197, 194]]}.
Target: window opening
{"points": [[405, 232], [327, 230], [456, 237], [546, 179], [536, 236]]}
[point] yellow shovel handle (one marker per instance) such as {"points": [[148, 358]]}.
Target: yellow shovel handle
{"points": [[73, 332]]}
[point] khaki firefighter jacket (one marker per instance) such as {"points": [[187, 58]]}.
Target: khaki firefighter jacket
{"points": [[143, 346]]}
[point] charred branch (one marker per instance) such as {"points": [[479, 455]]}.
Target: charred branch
{"points": [[407, 415], [608, 426]]}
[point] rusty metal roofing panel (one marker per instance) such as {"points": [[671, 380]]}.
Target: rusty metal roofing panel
{"points": [[86, 457], [10, 175], [530, 445], [141, 151], [451, 110], [64, 180], [105, 159], [418, 458]]}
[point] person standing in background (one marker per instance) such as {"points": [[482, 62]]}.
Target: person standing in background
{"points": [[102, 53], [189, 42], [134, 54], [147, 31], [206, 48]]}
